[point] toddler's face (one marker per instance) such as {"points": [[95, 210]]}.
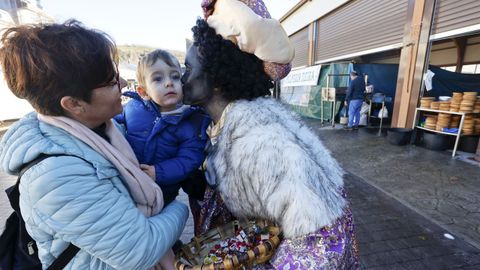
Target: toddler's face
{"points": [[163, 85]]}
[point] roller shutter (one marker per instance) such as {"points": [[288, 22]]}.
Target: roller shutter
{"points": [[300, 42], [360, 26], [455, 14]]}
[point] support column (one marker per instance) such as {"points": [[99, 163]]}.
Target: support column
{"points": [[461, 44], [413, 60]]}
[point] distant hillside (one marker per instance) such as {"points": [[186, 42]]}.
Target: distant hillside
{"points": [[129, 54]]}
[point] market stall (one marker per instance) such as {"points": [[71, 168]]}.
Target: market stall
{"points": [[450, 107], [302, 90]]}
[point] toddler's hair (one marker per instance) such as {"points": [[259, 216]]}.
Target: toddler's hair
{"points": [[150, 59]]}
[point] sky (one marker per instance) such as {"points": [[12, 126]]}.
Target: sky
{"points": [[156, 23]]}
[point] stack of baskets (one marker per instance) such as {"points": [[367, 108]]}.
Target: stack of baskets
{"points": [[443, 121], [468, 125], [195, 255], [431, 122], [456, 101], [471, 124], [477, 126], [444, 106], [435, 105], [425, 102], [455, 121], [476, 108], [468, 102]]}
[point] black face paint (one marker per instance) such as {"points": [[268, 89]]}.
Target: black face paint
{"points": [[197, 89]]}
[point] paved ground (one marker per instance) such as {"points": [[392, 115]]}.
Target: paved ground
{"points": [[391, 236], [401, 198], [442, 189]]}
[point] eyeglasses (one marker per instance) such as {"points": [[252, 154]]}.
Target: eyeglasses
{"points": [[111, 83]]}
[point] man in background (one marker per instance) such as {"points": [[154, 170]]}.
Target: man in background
{"points": [[354, 100]]}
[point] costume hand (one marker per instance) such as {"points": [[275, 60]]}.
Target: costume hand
{"points": [[150, 170], [346, 103]]}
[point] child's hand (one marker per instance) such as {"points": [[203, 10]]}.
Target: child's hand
{"points": [[150, 170]]}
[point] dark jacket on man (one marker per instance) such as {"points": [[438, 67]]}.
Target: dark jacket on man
{"points": [[356, 89]]}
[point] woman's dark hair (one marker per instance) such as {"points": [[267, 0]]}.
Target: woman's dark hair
{"points": [[43, 63], [238, 74]]}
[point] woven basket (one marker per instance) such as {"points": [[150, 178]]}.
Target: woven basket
{"points": [[191, 256]]}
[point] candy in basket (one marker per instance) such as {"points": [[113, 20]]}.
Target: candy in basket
{"points": [[235, 245]]}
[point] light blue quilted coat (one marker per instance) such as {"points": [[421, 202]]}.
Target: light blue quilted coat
{"points": [[66, 199]]}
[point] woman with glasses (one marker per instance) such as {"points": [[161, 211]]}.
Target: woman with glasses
{"points": [[88, 190]]}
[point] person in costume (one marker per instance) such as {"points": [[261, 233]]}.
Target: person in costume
{"points": [[263, 161]]}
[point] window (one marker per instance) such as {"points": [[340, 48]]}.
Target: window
{"points": [[467, 69], [449, 68], [471, 69]]}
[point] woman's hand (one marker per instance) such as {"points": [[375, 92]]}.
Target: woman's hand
{"points": [[150, 170]]}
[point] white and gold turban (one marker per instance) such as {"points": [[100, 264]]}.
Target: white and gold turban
{"points": [[248, 24]]}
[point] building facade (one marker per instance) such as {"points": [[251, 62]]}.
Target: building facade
{"points": [[409, 33]]}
